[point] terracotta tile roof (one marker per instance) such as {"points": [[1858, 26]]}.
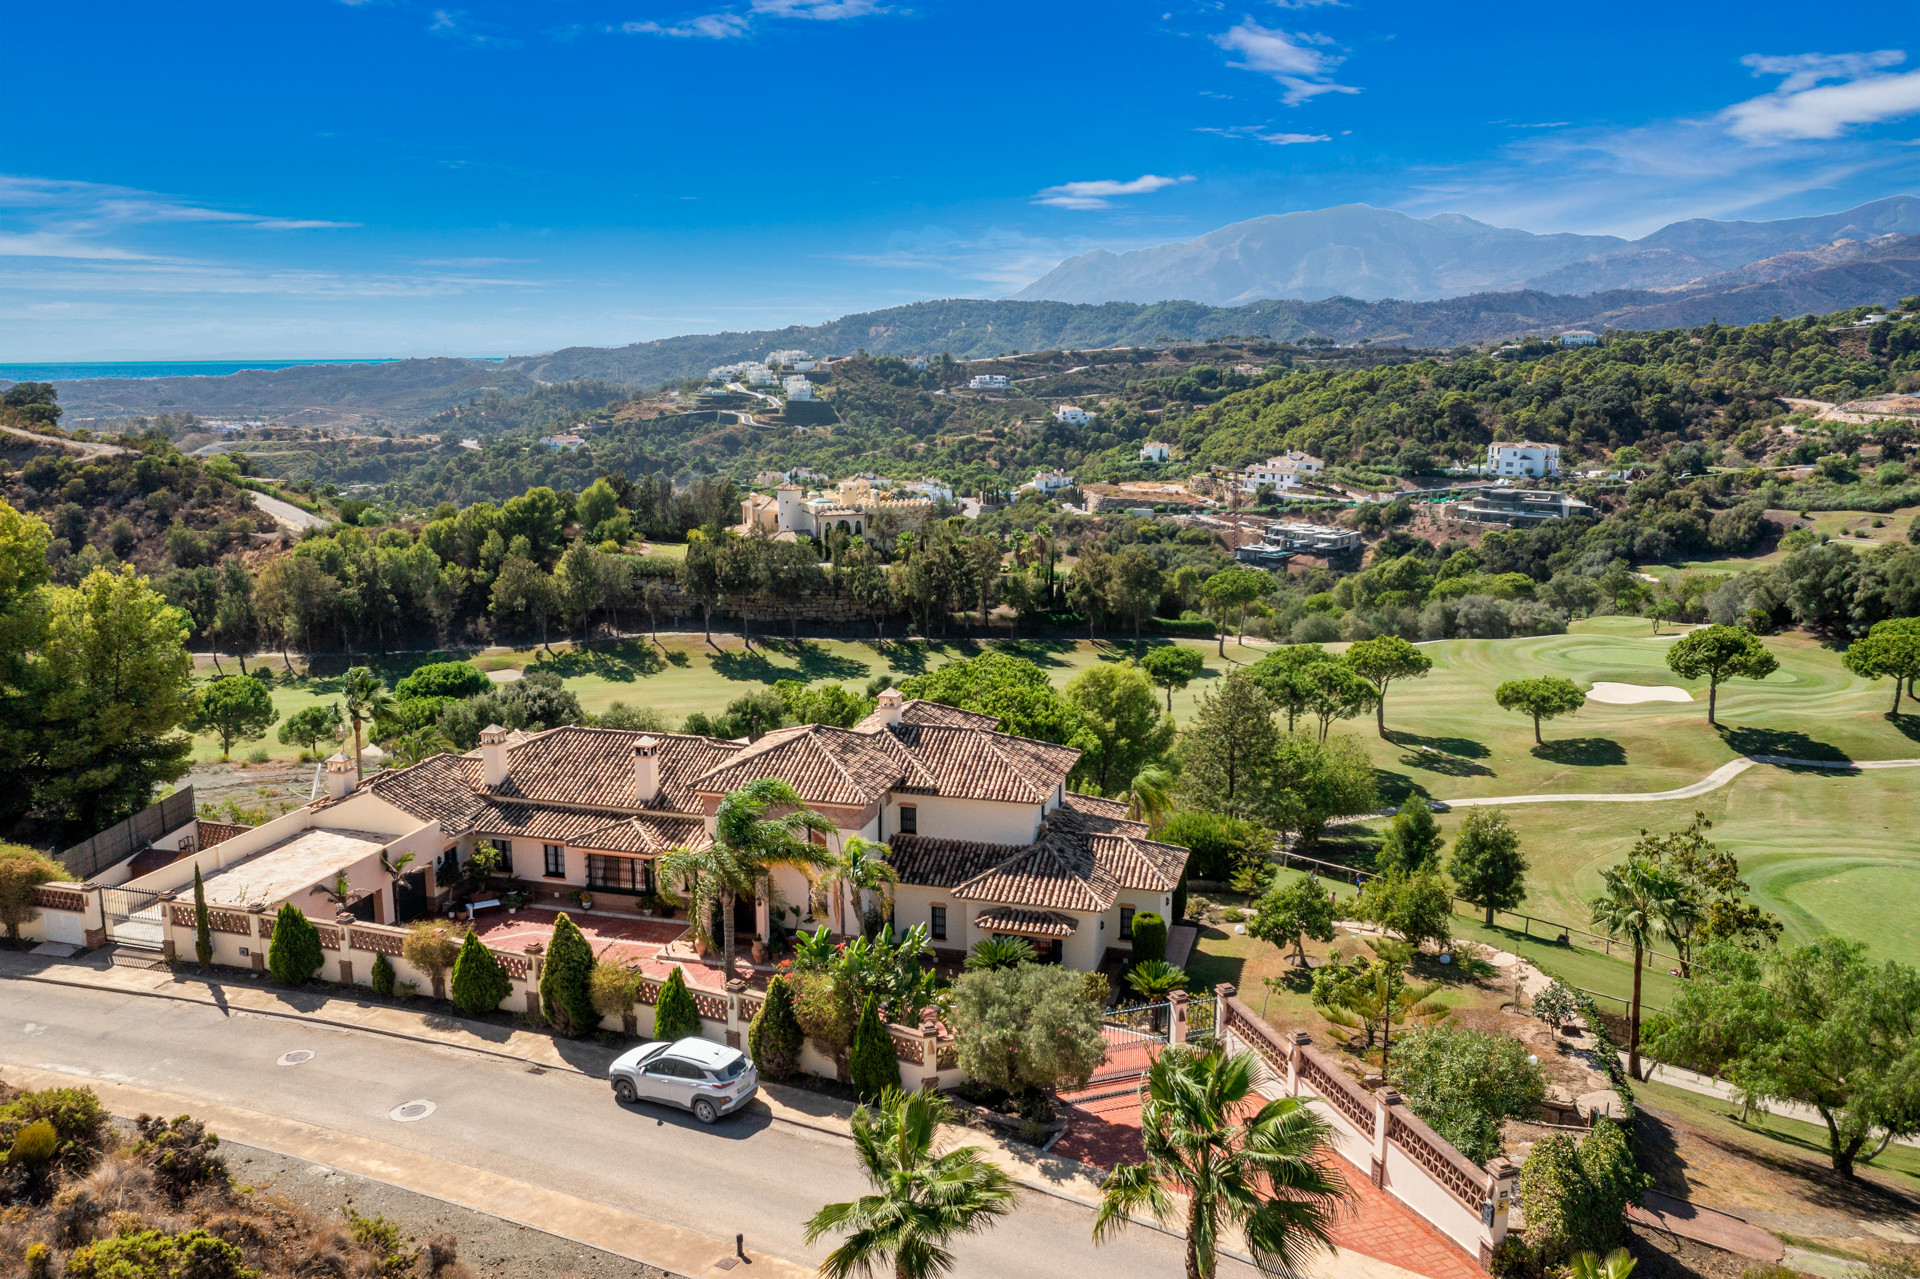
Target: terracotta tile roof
{"points": [[826, 765], [1026, 923], [919, 711], [1082, 860], [442, 788], [604, 832], [594, 767], [971, 763]]}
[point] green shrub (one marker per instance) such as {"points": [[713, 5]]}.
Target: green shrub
{"points": [[1466, 1083], [1149, 937], [774, 1039], [34, 1144], [1219, 844], [872, 1065], [149, 1254], [1575, 1197], [293, 955], [675, 1016], [566, 981], [202, 929], [1027, 1028], [612, 988], [385, 1240], [39, 1261], [824, 1010], [1514, 1259], [79, 1123], [1196, 628], [382, 976], [443, 679], [478, 983], [181, 1154]]}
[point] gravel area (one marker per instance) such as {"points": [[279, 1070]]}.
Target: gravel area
{"points": [[489, 1246]]}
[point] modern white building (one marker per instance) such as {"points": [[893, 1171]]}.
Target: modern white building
{"points": [[1524, 458], [1579, 337], [988, 382], [788, 358], [1072, 414], [1049, 482], [931, 489], [1155, 451], [918, 364], [571, 443], [1288, 470], [797, 387]]}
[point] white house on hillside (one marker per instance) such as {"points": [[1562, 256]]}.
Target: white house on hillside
{"points": [[1049, 482], [1072, 414], [988, 382], [797, 387], [571, 443], [1579, 337], [1524, 458], [1155, 451]]}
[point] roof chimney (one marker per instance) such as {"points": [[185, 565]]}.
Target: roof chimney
{"points": [[493, 756], [890, 702], [646, 769], [339, 776]]}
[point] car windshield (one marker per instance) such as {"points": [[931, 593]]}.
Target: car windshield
{"points": [[732, 1069]]}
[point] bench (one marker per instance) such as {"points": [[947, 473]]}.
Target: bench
{"points": [[490, 904]]}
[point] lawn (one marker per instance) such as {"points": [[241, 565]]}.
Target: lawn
{"points": [[1853, 528]]}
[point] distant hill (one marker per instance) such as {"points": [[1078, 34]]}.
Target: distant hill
{"points": [[1795, 282], [1373, 254]]}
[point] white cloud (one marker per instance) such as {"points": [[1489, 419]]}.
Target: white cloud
{"points": [[55, 218], [1098, 194], [1304, 70], [454, 24], [1261, 133], [1806, 106], [818, 10], [708, 26]]}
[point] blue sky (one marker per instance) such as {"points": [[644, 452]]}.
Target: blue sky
{"points": [[318, 178]]}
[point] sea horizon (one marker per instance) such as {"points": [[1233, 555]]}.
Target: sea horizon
{"points": [[83, 370]]}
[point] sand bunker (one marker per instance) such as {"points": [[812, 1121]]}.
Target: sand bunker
{"points": [[1632, 694]]}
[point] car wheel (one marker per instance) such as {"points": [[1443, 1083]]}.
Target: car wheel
{"points": [[705, 1111], [623, 1089]]}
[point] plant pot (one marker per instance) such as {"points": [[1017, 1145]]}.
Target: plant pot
{"points": [[759, 951]]}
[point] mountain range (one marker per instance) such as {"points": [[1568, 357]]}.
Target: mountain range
{"points": [[1357, 251]]}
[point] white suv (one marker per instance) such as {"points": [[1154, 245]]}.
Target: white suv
{"points": [[707, 1078]]}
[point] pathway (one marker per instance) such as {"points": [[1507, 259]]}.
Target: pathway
{"points": [[1712, 781], [286, 514], [82, 447]]}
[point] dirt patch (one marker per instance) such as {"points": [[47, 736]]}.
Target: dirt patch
{"points": [[273, 788]]}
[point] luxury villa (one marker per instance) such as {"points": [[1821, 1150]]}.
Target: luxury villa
{"points": [[985, 836]]}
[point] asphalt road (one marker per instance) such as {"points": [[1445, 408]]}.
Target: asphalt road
{"points": [[747, 1174]]}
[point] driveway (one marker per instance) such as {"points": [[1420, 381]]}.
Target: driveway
{"points": [[286, 514], [553, 1130]]}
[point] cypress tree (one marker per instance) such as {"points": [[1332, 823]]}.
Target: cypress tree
{"points": [[382, 975], [294, 953], [1149, 937], [478, 983], [775, 1038], [566, 981], [202, 930], [872, 1064], [675, 1016]]}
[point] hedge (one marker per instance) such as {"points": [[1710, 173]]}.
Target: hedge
{"points": [[382, 975], [872, 1064], [1194, 628], [675, 1016], [478, 983], [774, 1039], [566, 980], [1149, 937], [294, 953]]}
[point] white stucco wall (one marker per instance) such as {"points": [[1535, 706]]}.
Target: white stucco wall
{"points": [[981, 820]]}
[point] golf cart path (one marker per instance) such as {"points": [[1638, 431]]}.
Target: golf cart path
{"points": [[1711, 782]]}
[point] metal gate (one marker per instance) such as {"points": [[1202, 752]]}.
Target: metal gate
{"points": [[133, 917], [1137, 1024], [409, 897]]}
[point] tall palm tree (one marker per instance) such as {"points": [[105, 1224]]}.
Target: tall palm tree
{"points": [[920, 1201], [366, 698], [747, 845], [861, 868], [1149, 796], [1379, 997], [1637, 898], [1268, 1176]]}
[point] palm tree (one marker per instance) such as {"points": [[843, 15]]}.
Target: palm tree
{"points": [[1268, 1176], [1149, 796], [1155, 979], [747, 845], [1637, 899], [1617, 1264], [990, 953], [711, 875], [921, 1199], [860, 869], [1379, 997], [366, 698]]}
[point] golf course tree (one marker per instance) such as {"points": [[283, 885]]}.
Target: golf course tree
{"points": [[1543, 697], [1412, 842], [1638, 896], [1710, 901], [237, 708], [1487, 867], [1381, 662], [1172, 667], [1293, 912], [1230, 592], [1822, 1025], [311, 725], [921, 1198], [1719, 653], [1266, 1177], [1334, 690], [1891, 648], [1280, 676]]}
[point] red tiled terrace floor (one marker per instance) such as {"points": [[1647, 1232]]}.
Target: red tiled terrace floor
{"points": [[613, 937]]}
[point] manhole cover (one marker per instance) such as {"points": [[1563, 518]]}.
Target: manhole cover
{"points": [[295, 1057], [409, 1112]]}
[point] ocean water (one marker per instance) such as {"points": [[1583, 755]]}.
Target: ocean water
{"points": [[154, 368]]}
